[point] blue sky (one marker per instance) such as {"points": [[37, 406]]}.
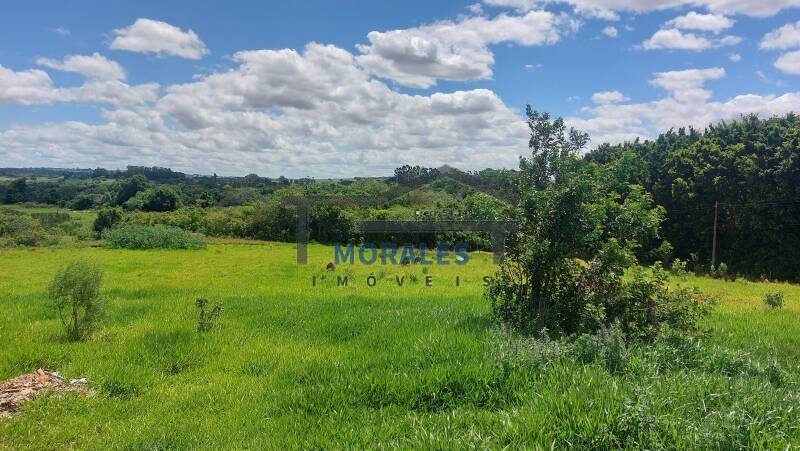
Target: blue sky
{"points": [[356, 88]]}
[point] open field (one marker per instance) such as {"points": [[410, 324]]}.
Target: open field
{"points": [[292, 365]]}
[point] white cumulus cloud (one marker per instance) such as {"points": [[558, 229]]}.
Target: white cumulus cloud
{"points": [[687, 104], [611, 32], [785, 37], [448, 50], [714, 23], [675, 39], [789, 63], [94, 66], [29, 87], [608, 9], [160, 38], [608, 97]]}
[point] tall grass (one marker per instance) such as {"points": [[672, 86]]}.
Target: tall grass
{"points": [[134, 236], [290, 365]]}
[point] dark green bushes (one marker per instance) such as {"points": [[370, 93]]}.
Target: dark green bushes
{"points": [[106, 219], [774, 300]]}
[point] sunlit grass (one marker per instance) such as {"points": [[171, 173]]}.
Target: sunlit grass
{"points": [[296, 365]]}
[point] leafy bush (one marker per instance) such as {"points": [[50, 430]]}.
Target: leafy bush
{"points": [[106, 219], [160, 199], [720, 272], [75, 292], [82, 202], [774, 300], [579, 232], [206, 320], [678, 268], [135, 236], [21, 229], [130, 187]]}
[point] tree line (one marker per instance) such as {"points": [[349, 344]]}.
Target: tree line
{"points": [[746, 172]]}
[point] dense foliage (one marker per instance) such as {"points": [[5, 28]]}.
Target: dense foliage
{"points": [[578, 234], [750, 167]]}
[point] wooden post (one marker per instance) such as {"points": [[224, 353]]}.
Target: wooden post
{"points": [[714, 239]]}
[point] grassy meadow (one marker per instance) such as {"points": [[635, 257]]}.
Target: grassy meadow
{"points": [[293, 365]]}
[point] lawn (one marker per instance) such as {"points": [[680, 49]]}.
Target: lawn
{"points": [[294, 365]]}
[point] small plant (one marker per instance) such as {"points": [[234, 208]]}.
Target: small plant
{"points": [[75, 291], [607, 346], [774, 300], [697, 268], [679, 268], [720, 272], [207, 320]]}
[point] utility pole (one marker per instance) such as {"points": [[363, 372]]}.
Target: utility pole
{"points": [[714, 239]]}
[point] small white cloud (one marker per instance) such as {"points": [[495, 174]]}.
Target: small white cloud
{"points": [[571, 99], [608, 98], [789, 63], [475, 8], [611, 32], [785, 37], [704, 22], [94, 66], [761, 75], [160, 38], [532, 67], [735, 57], [674, 39], [62, 31]]}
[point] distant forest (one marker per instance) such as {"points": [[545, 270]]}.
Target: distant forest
{"points": [[747, 171]]}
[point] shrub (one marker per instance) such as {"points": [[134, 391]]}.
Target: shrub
{"points": [[207, 320], [106, 219], [579, 233], [720, 272], [774, 300], [75, 292], [678, 268], [82, 202], [130, 187], [134, 236], [160, 199], [20, 229]]}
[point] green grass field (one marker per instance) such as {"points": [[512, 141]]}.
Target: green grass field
{"points": [[292, 365]]}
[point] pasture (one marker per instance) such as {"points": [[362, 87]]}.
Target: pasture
{"points": [[295, 365]]}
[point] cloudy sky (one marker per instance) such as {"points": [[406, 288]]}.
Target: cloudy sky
{"points": [[346, 88]]}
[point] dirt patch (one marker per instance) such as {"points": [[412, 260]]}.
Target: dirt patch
{"points": [[14, 392]]}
